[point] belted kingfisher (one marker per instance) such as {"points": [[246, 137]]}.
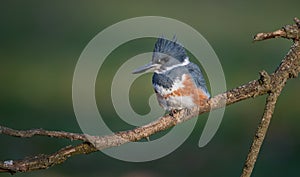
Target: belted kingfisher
{"points": [[178, 83]]}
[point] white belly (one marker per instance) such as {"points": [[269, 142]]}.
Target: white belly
{"points": [[178, 102], [173, 102]]}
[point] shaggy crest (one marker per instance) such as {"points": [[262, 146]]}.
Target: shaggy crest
{"points": [[168, 47]]}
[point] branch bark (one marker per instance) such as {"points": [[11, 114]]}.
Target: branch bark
{"points": [[261, 131], [291, 32], [267, 84]]}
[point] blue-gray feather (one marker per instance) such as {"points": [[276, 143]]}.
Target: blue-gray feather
{"points": [[168, 47], [162, 80], [198, 77], [176, 50]]}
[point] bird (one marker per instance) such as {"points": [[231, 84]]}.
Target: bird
{"points": [[178, 82]]}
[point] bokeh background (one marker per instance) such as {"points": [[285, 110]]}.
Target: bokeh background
{"points": [[41, 42]]}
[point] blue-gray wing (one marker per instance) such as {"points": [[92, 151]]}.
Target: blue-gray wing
{"points": [[197, 75]]}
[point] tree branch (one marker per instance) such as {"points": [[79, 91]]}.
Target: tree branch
{"points": [[290, 32], [267, 84], [41, 132], [261, 131]]}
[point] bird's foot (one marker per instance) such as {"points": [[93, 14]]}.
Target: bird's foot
{"points": [[173, 112]]}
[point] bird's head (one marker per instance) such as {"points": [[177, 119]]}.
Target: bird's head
{"points": [[167, 55]]}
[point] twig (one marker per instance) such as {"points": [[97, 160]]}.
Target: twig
{"points": [[42, 161], [267, 84], [41, 132], [261, 132], [290, 32]]}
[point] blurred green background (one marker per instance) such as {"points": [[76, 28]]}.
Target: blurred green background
{"points": [[41, 42]]}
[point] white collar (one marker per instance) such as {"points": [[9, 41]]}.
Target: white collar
{"points": [[184, 63]]}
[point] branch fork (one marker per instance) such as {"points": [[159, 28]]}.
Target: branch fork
{"points": [[271, 84]]}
